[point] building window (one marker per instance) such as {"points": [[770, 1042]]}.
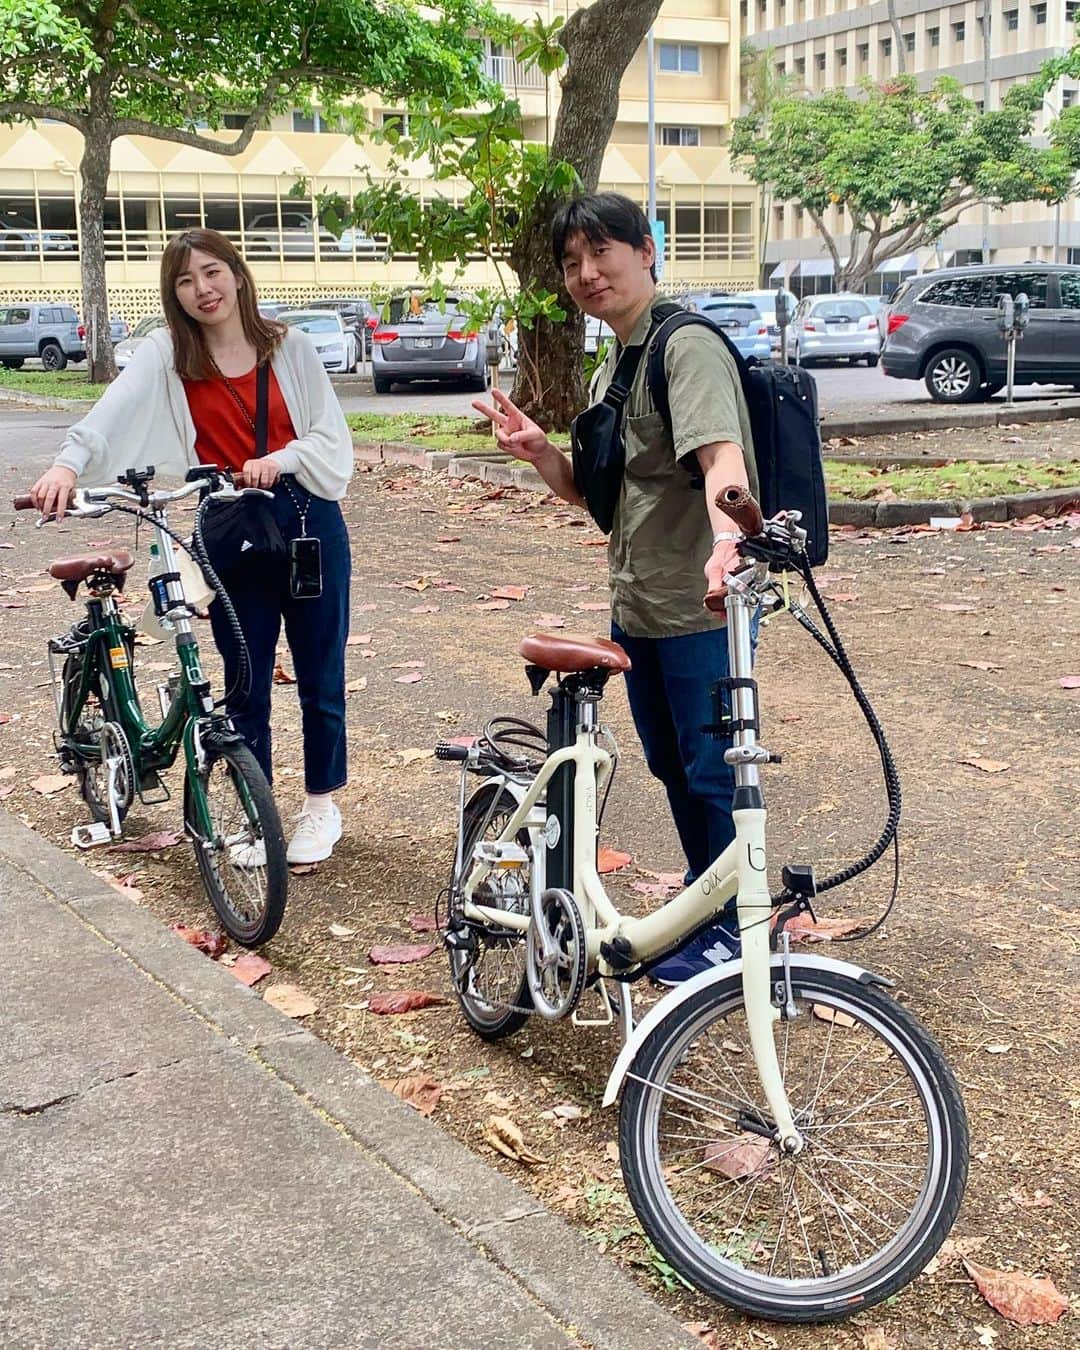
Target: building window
{"points": [[761, 4], [909, 42], [980, 106], [800, 65], [933, 37], [886, 46], [1072, 10], [958, 31], [1074, 256], [743, 9], [314, 121], [841, 59], [680, 135], [1038, 13], [862, 51], [819, 60], [1068, 98], [392, 119], [781, 68], [680, 58], [1012, 20]]}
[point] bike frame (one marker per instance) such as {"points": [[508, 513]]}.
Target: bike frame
{"points": [[740, 871]]}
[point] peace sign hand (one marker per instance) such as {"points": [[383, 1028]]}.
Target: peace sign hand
{"points": [[515, 433]]}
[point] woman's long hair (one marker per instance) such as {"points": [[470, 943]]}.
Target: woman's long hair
{"points": [[191, 356]]}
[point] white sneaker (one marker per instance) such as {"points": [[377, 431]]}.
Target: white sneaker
{"points": [[316, 834], [248, 856]]}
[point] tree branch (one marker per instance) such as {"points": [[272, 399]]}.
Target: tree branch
{"points": [[36, 112]]}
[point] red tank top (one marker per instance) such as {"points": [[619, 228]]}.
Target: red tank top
{"points": [[223, 435]]}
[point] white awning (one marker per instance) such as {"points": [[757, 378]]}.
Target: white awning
{"points": [[781, 270], [908, 263], [814, 267]]}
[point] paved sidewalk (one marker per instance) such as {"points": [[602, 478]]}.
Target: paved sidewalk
{"points": [[185, 1166]]}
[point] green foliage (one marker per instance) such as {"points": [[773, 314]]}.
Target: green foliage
{"points": [[29, 25], [902, 163]]}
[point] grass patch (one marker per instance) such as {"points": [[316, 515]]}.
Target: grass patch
{"points": [[51, 383], [965, 478], [437, 432]]}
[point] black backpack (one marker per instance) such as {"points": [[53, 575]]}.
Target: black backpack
{"points": [[783, 406]]}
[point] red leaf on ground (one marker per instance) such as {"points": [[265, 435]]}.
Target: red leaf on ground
{"points": [[282, 676], [358, 640], [448, 539], [840, 597], [420, 1090], [413, 677], [803, 928], [987, 765], [399, 954], [493, 604], [423, 923], [610, 859], [593, 606], [1024, 1300], [403, 1001], [150, 843], [250, 968], [980, 665], [1070, 681], [52, 782], [424, 609], [213, 944], [551, 621], [509, 592], [748, 1156]]}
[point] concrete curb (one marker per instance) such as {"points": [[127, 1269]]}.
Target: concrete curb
{"points": [[26, 399], [566, 1276], [886, 424], [499, 471]]}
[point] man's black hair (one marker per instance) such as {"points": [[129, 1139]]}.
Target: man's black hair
{"points": [[600, 217]]}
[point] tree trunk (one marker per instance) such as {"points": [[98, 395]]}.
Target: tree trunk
{"points": [[600, 42], [898, 39], [94, 173]]}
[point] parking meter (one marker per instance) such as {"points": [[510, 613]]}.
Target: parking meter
{"points": [[1021, 305], [785, 311], [1005, 314], [1012, 320]]}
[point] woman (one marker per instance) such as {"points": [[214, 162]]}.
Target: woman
{"points": [[189, 397]]}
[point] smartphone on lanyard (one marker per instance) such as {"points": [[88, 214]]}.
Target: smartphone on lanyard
{"points": [[305, 568]]}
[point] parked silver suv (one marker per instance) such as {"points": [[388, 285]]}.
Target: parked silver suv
{"points": [[49, 331], [943, 328]]}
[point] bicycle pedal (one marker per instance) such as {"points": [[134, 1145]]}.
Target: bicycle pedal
{"points": [[91, 836]]}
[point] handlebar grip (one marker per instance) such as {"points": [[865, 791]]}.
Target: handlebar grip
{"points": [[736, 502], [444, 750], [23, 502]]}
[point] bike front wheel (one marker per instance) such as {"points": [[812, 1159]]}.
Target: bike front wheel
{"points": [[845, 1223], [234, 825]]}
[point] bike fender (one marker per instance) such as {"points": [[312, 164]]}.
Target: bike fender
{"points": [[730, 970]]}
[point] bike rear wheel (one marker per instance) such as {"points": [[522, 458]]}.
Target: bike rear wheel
{"points": [[241, 858], [91, 742], [489, 976], [836, 1229]]}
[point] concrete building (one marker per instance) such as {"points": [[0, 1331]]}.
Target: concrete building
{"points": [[827, 44], [157, 187]]}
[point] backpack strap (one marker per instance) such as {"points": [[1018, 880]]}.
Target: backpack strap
{"points": [[656, 375]]}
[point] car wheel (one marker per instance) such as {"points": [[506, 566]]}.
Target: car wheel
{"points": [[53, 357], [13, 362], [953, 376], [480, 384], [872, 361], [382, 383]]}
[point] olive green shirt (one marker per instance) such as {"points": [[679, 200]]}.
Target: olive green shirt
{"points": [[662, 537]]}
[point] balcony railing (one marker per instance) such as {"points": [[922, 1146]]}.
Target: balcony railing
{"points": [[511, 74]]}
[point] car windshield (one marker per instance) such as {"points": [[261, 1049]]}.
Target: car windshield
{"points": [[841, 309], [732, 313], [404, 308], [148, 325], [312, 323]]}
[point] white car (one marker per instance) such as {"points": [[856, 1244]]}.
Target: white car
{"points": [[335, 343], [125, 350], [293, 236], [835, 327]]}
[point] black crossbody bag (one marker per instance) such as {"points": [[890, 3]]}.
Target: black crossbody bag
{"points": [[598, 445], [244, 531]]}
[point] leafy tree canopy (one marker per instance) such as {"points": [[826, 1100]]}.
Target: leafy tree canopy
{"points": [[902, 163]]}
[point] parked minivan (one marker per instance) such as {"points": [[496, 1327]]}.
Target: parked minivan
{"points": [[942, 328], [48, 331]]}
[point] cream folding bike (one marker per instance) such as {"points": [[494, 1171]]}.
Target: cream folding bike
{"points": [[791, 1138]]}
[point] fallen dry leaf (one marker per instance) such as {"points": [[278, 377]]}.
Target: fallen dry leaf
{"points": [[413, 677], [338, 930], [610, 859], [551, 620], [290, 1000], [1039, 1200], [704, 1333], [956, 609], [424, 609], [282, 676], [876, 1338], [1024, 1300], [840, 597], [420, 1090], [803, 928], [404, 1001], [51, 783], [509, 592], [826, 1014], [423, 923], [356, 686], [149, 843], [504, 1136], [358, 639], [1070, 681], [400, 954], [493, 604], [203, 939], [980, 665], [250, 968], [748, 1156], [987, 765]]}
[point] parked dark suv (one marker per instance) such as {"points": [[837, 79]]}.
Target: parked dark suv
{"points": [[943, 328]]}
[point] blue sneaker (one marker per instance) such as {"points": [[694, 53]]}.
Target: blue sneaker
{"points": [[712, 946]]}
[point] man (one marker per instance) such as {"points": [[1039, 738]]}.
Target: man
{"points": [[667, 534]]}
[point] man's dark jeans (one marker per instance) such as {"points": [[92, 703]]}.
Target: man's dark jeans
{"points": [[670, 692], [315, 630]]}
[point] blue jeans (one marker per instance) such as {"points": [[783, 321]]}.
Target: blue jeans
{"points": [[670, 687], [315, 630]]}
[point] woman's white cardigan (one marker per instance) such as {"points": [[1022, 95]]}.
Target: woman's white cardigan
{"points": [[143, 418]]}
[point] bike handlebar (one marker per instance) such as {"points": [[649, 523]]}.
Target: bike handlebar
{"points": [[736, 502], [25, 502]]}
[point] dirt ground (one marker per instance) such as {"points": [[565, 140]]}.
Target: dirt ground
{"points": [[1039, 442], [962, 640]]}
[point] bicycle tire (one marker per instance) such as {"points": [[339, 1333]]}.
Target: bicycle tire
{"points": [[86, 731], [249, 900], [493, 1017], [659, 1192]]}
